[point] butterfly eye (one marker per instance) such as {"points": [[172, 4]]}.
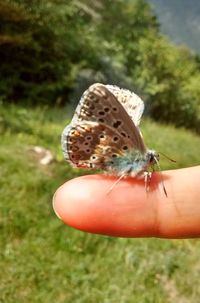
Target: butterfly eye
{"points": [[151, 159]]}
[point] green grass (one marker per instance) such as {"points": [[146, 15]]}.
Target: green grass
{"points": [[42, 260]]}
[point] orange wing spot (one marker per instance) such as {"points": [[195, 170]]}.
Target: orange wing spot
{"points": [[88, 128], [76, 133], [74, 148], [101, 127], [82, 165], [77, 157]]}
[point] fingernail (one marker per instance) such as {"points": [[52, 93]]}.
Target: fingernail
{"points": [[54, 205]]}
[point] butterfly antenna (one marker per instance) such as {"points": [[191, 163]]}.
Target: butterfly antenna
{"points": [[170, 159], [115, 183], [161, 175]]}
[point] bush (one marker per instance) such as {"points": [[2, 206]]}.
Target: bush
{"points": [[169, 78], [49, 49], [42, 46]]}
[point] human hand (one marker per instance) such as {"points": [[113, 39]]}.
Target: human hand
{"points": [[128, 210]]}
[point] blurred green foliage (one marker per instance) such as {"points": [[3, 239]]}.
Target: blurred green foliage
{"points": [[47, 49]]}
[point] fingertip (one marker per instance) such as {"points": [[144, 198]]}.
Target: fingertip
{"points": [[71, 199], [85, 203]]}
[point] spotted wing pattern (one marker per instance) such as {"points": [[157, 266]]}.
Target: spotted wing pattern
{"points": [[100, 130], [94, 145], [132, 103]]}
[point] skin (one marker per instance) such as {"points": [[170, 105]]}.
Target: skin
{"points": [[86, 203]]}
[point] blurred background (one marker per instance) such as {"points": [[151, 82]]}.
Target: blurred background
{"points": [[50, 52]]}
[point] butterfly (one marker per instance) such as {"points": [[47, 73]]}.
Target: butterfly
{"points": [[104, 134]]}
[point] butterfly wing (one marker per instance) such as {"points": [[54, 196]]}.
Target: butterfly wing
{"points": [[93, 145], [132, 103], [100, 130]]}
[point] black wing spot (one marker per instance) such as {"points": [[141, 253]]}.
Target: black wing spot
{"points": [[125, 147], [89, 138], [101, 113], [115, 139], [117, 124], [123, 134], [106, 109], [101, 120]]}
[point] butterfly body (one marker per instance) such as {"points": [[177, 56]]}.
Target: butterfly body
{"points": [[104, 133], [133, 163]]}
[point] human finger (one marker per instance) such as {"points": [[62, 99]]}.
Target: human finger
{"points": [[86, 203]]}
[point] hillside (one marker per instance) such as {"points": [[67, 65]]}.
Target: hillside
{"points": [[180, 20]]}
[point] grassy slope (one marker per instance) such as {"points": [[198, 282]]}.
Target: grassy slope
{"points": [[42, 260]]}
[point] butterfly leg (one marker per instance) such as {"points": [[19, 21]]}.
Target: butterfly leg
{"points": [[147, 179], [115, 183]]}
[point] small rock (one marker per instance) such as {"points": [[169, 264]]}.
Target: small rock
{"points": [[44, 155]]}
